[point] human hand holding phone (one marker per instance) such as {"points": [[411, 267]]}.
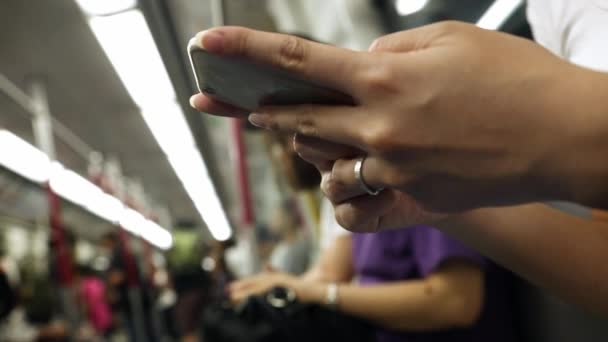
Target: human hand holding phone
{"points": [[451, 115]]}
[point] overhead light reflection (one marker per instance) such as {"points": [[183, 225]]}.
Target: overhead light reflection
{"points": [[105, 7], [498, 13], [28, 161], [129, 45], [23, 158], [407, 7]]}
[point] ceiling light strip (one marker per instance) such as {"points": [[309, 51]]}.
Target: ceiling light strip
{"points": [[28, 161], [498, 13], [130, 47]]}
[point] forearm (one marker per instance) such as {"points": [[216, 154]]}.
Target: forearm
{"points": [[419, 305], [577, 167], [335, 263], [562, 253]]}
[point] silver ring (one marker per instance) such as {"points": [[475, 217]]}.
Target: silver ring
{"points": [[359, 177]]}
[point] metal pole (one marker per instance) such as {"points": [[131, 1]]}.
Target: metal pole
{"points": [[43, 132], [217, 12], [31, 105]]}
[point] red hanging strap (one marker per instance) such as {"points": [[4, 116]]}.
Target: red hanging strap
{"points": [[63, 265], [242, 172]]}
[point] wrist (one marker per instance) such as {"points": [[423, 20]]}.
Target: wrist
{"points": [[591, 184], [331, 295], [311, 292], [574, 164]]}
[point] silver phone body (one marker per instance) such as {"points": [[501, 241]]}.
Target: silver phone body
{"points": [[247, 85]]}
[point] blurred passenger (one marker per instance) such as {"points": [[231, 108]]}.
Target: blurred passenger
{"points": [[292, 253], [215, 265], [8, 297], [191, 283], [19, 323], [117, 287], [413, 284], [92, 294]]}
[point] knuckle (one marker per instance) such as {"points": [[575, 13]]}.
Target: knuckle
{"points": [[241, 44], [382, 138], [448, 26], [394, 178], [381, 79], [346, 217], [379, 44], [332, 188], [351, 217], [304, 122], [292, 53]]}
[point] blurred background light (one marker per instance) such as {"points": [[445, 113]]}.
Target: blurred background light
{"points": [[23, 158], [128, 43], [105, 7], [407, 7], [498, 13]]}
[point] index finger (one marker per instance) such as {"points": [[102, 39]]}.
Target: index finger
{"points": [[323, 64]]}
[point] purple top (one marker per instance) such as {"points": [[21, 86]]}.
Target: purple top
{"points": [[416, 252]]}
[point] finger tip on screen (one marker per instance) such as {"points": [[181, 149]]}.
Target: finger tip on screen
{"points": [[205, 104], [211, 40]]}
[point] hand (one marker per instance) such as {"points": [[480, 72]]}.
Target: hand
{"points": [[355, 210], [263, 282], [454, 116]]}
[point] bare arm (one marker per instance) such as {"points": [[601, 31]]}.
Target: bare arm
{"points": [[564, 254], [335, 263], [452, 297]]}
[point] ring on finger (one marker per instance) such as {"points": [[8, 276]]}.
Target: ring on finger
{"points": [[358, 169]]}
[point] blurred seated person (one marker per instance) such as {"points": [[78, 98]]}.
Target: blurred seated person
{"points": [[292, 253], [412, 284]]}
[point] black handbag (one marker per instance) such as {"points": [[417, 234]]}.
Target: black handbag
{"points": [[278, 317]]}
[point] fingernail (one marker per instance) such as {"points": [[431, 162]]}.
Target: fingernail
{"points": [[211, 40], [259, 120], [192, 101]]}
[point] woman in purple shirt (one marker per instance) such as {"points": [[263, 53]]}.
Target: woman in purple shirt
{"points": [[414, 284]]}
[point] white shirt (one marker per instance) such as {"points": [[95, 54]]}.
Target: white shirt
{"points": [[576, 30], [352, 24]]}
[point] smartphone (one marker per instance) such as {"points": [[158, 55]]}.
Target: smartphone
{"points": [[248, 85]]}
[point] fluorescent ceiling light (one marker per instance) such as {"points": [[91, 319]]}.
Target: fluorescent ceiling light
{"points": [[169, 127], [105, 7], [129, 45], [138, 225], [498, 13], [78, 190], [22, 158], [72, 186], [106, 207], [132, 221], [29, 162], [193, 174], [407, 7], [158, 236]]}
